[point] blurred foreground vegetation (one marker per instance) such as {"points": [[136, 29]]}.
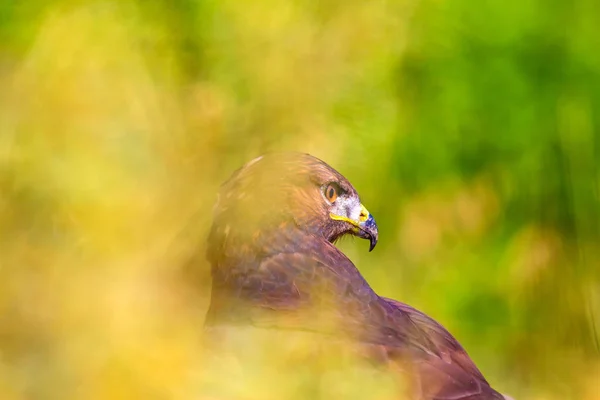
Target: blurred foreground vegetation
{"points": [[471, 130]]}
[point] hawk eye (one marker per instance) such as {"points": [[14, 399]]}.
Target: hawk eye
{"points": [[331, 192]]}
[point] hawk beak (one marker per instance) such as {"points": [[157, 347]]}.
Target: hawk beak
{"points": [[367, 228]]}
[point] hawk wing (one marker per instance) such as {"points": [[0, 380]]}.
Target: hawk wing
{"points": [[315, 288], [446, 344]]}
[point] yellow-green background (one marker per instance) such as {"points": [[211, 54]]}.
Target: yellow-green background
{"points": [[470, 129]]}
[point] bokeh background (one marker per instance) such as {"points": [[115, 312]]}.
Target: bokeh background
{"points": [[470, 129]]}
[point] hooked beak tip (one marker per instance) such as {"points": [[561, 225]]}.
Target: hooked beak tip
{"points": [[369, 231], [372, 245]]}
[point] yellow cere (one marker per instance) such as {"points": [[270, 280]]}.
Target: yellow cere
{"points": [[364, 214]]}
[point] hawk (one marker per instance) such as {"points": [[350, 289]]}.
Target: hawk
{"points": [[274, 266]]}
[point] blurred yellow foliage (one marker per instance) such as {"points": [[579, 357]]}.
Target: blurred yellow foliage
{"points": [[119, 120]]}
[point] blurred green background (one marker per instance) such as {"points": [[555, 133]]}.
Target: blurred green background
{"points": [[470, 129]]}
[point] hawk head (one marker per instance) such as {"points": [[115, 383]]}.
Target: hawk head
{"points": [[290, 189]]}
